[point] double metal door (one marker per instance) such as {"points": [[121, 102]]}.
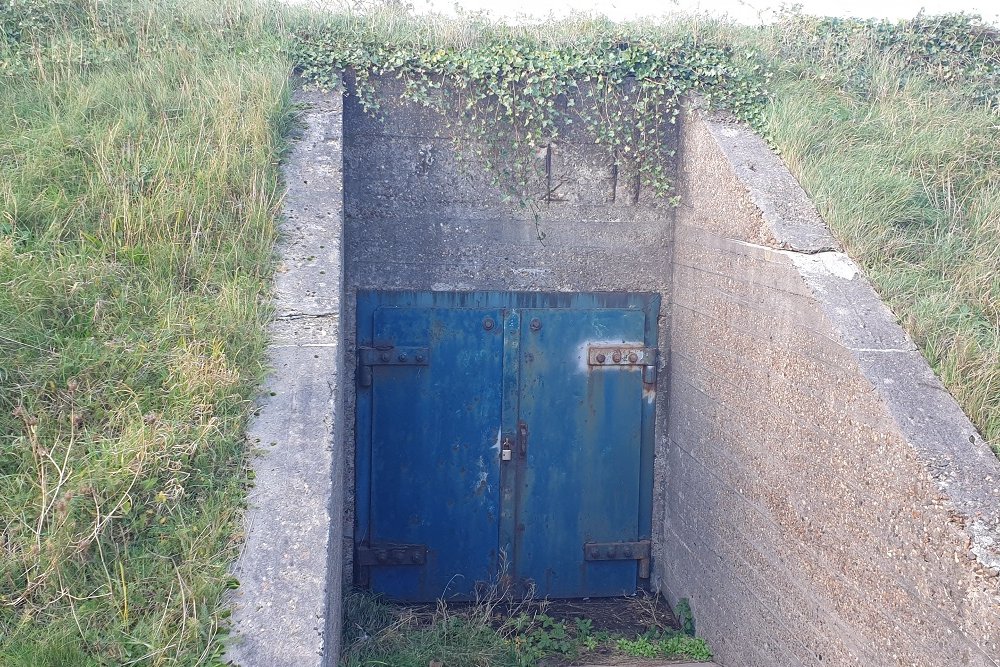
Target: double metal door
{"points": [[504, 438]]}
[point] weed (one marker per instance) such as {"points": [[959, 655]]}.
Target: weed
{"points": [[660, 644], [685, 617], [490, 633]]}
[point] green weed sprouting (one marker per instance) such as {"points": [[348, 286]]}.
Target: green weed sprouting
{"points": [[492, 632]]}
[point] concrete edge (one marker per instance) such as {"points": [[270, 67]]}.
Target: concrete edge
{"points": [[957, 459], [783, 204], [287, 609]]}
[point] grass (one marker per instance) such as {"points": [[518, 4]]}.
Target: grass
{"points": [[139, 192], [905, 169], [138, 196], [493, 633]]}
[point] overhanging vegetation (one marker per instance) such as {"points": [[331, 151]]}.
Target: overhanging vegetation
{"points": [[138, 197]]}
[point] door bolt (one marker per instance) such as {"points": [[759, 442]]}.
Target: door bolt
{"points": [[488, 324], [385, 356], [535, 324], [420, 358], [616, 357], [402, 356], [601, 358], [633, 357]]}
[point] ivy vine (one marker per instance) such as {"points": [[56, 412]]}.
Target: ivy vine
{"points": [[513, 96]]}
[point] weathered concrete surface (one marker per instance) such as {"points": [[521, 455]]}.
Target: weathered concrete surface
{"points": [[639, 662], [827, 502], [287, 608], [420, 217]]}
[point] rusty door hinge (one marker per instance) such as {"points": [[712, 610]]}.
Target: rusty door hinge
{"points": [[639, 551], [391, 554], [388, 355], [613, 356]]}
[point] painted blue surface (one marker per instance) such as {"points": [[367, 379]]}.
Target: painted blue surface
{"points": [[428, 466], [580, 479], [434, 462]]}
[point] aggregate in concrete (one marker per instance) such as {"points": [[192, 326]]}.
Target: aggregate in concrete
{"points": [[820, 499], [827, 502]]}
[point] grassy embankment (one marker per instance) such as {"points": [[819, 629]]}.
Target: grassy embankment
{"points": [[138, 195], [139, 145], [897, 140]]}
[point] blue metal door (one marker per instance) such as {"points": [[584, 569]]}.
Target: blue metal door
{"points": [[504, 435]]}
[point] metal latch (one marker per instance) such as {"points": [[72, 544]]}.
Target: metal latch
{"points": [[388, 355], [639, 551], [611, 356], [392, 554]]}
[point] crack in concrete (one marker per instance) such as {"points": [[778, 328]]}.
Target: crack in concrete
{"points": [[810, 251], [290, 345], [785, 247], [289, 317]]}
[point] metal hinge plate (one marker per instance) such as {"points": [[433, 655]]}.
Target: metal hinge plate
{"points": [[392, 554], [620, 355], [640, 551], [611, 356], [388, 355]]}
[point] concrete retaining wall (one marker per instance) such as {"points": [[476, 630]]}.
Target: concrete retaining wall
{"points": [[827, 502], [820, 498], [286, 612]]}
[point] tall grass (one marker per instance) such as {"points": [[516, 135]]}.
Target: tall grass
{"points": [[138, 191], [904, 164]]}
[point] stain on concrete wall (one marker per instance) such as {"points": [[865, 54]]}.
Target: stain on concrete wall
{"points": [[827, 502]]}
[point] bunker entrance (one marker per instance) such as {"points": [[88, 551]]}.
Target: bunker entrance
{"points": [[504, 438], [506, 454]]}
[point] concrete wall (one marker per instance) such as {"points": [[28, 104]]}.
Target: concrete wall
{"points": [[820, 498], [826, 500], [286, 611], [420, 217]]}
